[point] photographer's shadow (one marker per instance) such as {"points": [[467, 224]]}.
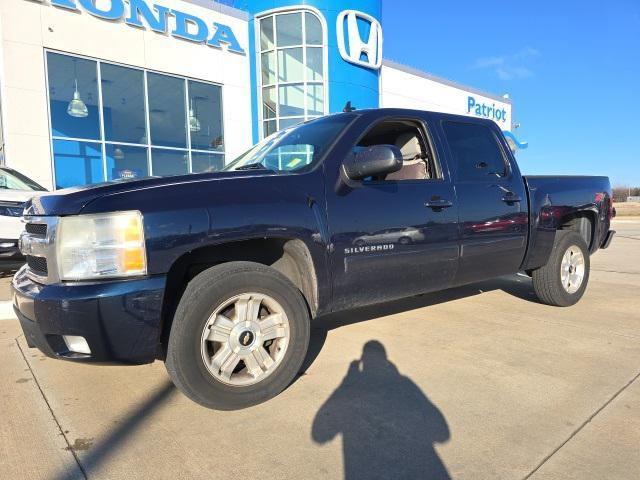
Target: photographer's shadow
{"points": [[388, 426]]}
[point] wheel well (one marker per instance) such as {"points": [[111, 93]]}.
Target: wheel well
{"points": [[582, 223], [291, 257]]}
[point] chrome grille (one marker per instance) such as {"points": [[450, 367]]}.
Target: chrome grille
{"points": [[36, 229], [37, 244], [38, 265]]}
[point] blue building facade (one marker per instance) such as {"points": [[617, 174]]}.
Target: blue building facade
{"points": [[311, 58]]}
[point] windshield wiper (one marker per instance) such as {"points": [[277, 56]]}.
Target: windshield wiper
{"points": [[253, 166]]}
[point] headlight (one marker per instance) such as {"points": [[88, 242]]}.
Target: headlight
{"points": [[101, 246]]}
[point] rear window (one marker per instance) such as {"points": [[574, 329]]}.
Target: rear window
{"points": [[475, 151]]}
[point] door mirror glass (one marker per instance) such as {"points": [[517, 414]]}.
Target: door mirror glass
{"points": [[373, 161]]}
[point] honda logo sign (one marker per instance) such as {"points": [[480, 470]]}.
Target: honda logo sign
{"points": [[356, 47]]}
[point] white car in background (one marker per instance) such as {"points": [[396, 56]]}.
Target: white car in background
{"points": [[15, 190]]}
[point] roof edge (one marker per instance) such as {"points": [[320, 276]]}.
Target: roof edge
{"points": [[451, 83]]}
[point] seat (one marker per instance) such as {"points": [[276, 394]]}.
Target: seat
{"points": [[413, 165]]}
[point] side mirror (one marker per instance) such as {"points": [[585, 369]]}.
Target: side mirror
{"points": [[373, 161]]}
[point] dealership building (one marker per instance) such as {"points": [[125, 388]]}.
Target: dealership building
{"points": [[95, 90]]}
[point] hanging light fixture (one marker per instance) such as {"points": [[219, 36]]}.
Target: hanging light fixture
{"points": [[77, 108], [194, 123], [118, 154]]}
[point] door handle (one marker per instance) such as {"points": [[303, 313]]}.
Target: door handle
{"points": [[509, 196], [438, 204]]}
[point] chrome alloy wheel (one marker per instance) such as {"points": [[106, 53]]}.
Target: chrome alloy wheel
{"points": [[245, 339], [572, 269]]}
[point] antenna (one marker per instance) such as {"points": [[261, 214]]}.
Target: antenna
{"points": [[348, 108]]}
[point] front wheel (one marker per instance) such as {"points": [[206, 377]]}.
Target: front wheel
{"points": [[239, 336], [563, 280]]}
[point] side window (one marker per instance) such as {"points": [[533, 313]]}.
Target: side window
{"points": [[475, 151], [417, 160]]}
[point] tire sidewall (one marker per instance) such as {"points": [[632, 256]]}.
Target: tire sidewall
{"points": [[203, 295], [567, 240]]}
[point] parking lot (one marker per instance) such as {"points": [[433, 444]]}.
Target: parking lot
{"points": [[474, 382]]}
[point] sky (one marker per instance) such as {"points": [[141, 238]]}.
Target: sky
{"points": [[572, 70]]}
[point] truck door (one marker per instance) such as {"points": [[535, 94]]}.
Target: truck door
{"points": [[492, 206], [396, 236]]}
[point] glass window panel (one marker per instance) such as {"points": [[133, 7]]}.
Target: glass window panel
{"points": [[169, 162], [269, 103], [74, 111], [476, 152], [289, 29], [270, 128], [291, 100], [125, 162], [315, 65], [290, 65], [268, 68], [313, 29], [206, 162], [167, 113], [266, 33], [205, 116], [122, 103], [290, 122], [315, 99], [77, 163]]}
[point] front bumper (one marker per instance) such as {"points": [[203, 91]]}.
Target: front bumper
{"points": [[120, 320]]}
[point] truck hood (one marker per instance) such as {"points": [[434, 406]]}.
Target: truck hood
{"points": [[71, 201]]}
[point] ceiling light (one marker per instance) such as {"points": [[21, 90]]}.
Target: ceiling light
{"points": [[77, 107], [118, 154], [194, 123]]}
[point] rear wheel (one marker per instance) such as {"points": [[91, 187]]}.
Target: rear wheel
{"points": [[239, 336], [563, 280]]}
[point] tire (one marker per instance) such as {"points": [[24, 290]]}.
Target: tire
{"points": [[243, 283], [548, 280]]}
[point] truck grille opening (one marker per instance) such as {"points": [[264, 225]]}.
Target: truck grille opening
{"points": [[38, 265], [36, 229]]}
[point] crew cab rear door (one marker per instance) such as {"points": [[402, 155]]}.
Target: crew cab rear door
{"points": [[492, 204], [396, 236]]}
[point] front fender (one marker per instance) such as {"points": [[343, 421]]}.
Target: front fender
{"points": [[182, 218]]}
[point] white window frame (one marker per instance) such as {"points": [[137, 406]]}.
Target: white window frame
{"points": [[302, 9]]}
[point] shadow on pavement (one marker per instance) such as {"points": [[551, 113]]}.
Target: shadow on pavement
{"points": [[516, 286], [388, 426], [102, 449]]}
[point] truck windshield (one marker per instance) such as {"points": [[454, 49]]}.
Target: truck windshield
{"points": [[293, 149]]}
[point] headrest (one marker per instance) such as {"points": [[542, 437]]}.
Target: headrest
{"points": [[409, 146]]}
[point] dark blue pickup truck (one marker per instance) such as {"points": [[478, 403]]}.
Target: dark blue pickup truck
{"points": [[219, 274]]}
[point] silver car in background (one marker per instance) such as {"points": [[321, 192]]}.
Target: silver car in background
{"points": [[15, 190]]}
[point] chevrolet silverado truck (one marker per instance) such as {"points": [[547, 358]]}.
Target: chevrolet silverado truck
{"points": [[220, 274]]}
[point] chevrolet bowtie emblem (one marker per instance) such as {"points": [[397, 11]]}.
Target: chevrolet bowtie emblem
{"points": [[246, 338]]}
